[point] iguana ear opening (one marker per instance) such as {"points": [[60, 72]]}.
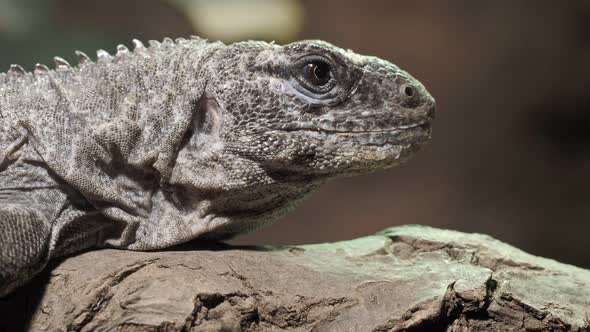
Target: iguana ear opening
{"points": [[205, 126], [207, 118]]}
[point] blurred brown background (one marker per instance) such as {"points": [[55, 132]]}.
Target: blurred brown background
{"points": [[510, 154]]}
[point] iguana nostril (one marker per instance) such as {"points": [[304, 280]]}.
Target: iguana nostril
{"points": [[409, 91]]}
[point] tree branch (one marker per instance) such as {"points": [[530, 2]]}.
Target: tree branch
{"points": [[409, 278]]}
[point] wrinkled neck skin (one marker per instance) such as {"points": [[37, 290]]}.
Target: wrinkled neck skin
{"points": [[226, 192], [235, 196]]}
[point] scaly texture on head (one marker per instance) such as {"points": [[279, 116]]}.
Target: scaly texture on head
{"points": [[188, 138]]}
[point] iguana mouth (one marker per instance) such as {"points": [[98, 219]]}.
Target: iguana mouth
{"points": [[420, 125]]}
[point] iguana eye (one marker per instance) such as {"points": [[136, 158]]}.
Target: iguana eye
{"points": [[316, 75], [317, 72]]}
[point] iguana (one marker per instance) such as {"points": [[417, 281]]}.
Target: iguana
{"points": [[188, 139]]}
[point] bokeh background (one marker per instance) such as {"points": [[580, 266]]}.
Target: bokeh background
{"points": [[510, 154]]}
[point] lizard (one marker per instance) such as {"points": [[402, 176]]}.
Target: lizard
{"points": [[188, 139]]}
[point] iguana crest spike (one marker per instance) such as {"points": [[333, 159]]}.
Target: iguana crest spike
{"points": [[82, 57], [122, 50], [102, 56], [61, 64], [16, 69], [41, 69], [168, 41], [137, 44]]}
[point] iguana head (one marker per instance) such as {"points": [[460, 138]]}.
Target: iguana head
{"points": [[275, 121], [310, 107]]}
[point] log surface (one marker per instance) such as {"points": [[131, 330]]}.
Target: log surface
{"points": [[409, 278]]}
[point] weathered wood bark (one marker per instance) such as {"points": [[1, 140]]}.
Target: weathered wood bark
{"points": [[408, 278]]}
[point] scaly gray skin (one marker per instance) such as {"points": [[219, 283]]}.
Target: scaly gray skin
{"points": [[186, 139]]}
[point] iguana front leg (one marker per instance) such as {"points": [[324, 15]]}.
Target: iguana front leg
{"points": [[31, 203], [24, 244]]}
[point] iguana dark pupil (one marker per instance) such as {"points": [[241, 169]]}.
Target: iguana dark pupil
{"points": [[318, 72]]}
